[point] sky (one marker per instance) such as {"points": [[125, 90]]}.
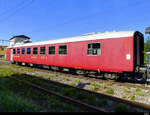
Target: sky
{"points": [[43, 20]]}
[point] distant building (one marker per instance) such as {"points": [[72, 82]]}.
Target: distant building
{"points": [[147, 30], [2, 51], [20, 39]]}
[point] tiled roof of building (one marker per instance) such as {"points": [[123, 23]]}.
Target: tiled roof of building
{"points": [[20, 36]]}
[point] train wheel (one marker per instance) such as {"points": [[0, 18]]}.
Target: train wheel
{"points": [[80, 72], [111, 76], [139, 77]]}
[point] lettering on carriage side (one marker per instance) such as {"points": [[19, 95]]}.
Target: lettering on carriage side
{"points": [[128, 57], [34, 57], [16, 56]]}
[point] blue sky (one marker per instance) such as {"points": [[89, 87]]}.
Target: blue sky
{"points": [[53, 19]]}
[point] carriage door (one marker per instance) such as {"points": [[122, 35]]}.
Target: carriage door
{"points": [[11, 55], [139, 49]]}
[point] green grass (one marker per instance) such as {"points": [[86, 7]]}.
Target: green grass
{"points": [[2, 58], [81, 95], [10, 102], [102, 102], [120, 108], [69, 92], [4, 73], [16, 97]]}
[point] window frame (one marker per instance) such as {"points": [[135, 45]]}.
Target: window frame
{"points": [[92, 49], [14, 50], [33, 51], [49, 50], [66, 49], [30, 51], [19, 51], [44, 51], [22, 51]]}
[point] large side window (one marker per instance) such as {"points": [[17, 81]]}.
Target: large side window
{"points": [[14, 51], [18, 50], [42, 50], [23, 51], [35, 50], [51, 50], [94, 49], [63, 50], [28, 50]]}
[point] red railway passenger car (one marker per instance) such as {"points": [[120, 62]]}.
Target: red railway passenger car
{"points": [[110, 52]]}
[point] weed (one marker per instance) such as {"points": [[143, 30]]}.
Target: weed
{"points": [[126, 90], [95, 85], [73, 83], [132, 97], [52, 76], [129, 88], [66, 79], [110, 83], [138, 89], [77, 81], [110, 91], [104, 86], [139, 93]]}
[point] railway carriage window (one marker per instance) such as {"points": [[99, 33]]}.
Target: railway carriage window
{"points": [[35, 50], [28, 50], [51, 50], [14, 51], [18, 51], [23, 50], [94, 49], [42, 50], [63, 50]]}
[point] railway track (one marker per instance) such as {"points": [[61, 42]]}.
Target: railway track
{"points": [[111, 100], [119, 83], [66, 98], [133, 103]]}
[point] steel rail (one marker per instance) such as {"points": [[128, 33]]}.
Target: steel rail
{"points": [[95, 79], [60, 96], [116, 99], [134, 103]]}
